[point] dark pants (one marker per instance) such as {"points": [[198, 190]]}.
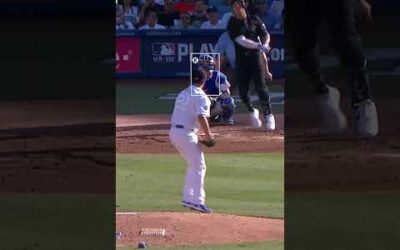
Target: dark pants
{"points": [[303, 22], [252, 69]]}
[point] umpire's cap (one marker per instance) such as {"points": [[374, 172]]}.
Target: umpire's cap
{"points": [[198, 74]]}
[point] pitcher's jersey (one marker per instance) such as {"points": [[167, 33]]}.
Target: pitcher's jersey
{"points": [[218, 82], [189, 105]]}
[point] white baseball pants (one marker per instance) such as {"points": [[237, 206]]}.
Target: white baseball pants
{"points": [[186, 142]]}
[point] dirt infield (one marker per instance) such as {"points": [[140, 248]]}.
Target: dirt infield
{"points": [[345, 162], [149, 134], [57, 146], [185, 229]]}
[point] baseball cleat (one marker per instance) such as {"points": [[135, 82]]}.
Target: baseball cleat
{"points": [[255, 119], [270, 122], [187, 204], [367, 118], [201, 208], [228, 121], [332, 115]]}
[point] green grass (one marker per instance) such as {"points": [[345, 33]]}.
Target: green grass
{"points": [[243, 184], [57, 221], [270, 245], [367, 221], [140, 98]]}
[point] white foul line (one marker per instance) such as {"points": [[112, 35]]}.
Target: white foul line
{"points": [[126, 213]]}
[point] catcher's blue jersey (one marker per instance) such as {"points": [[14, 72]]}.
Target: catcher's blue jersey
{"points": [[214, 84]]}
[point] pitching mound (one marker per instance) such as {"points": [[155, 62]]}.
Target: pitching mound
{"points": [[196, 229]]}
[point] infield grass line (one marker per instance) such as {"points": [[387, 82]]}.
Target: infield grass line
{"points": [[267, 245]]}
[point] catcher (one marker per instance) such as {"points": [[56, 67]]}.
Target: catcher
{"points": [[192, 107], [217, 85]]}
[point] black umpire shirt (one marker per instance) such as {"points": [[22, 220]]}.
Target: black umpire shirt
{"points": [[251, 27]]}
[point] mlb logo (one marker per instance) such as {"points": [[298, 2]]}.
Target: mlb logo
{"points": [[163, 49]]}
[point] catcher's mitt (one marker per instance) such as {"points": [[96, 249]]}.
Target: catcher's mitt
{"points": [[210, 143]]}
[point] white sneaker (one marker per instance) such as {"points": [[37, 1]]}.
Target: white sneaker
{"points": [[367, 118], [332, 115], [255, 119], [270, 122]]}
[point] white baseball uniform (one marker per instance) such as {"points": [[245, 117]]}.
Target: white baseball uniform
{"points": [[190, 103]]}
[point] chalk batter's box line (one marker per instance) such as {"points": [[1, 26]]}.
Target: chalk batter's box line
{"points": [[191, 62]]}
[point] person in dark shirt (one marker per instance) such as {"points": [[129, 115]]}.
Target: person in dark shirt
{"points": [[304, 20], [251, 40], [169, 15]]}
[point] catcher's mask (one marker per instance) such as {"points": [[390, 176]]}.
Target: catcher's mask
{"points": [[207, 62]]}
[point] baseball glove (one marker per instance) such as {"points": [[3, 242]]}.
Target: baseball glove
{"points": [[210, 143]]}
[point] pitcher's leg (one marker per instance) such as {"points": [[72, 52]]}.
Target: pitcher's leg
{"points": [[187, 193], [191, 151], [198, 170], [181, 141]]}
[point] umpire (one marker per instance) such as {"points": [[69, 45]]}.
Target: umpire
{"points": [[251, 41], [303, 20]]}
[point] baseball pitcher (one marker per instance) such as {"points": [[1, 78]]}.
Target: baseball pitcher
{"points": [[191, 109]]}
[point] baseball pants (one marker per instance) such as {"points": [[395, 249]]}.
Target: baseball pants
{"points": [[186, 142], [304, 20], [248, 69]]}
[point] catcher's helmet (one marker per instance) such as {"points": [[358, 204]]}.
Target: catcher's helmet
{"points": [[207, 62]]}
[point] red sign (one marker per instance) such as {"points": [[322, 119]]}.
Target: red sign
{"points": [[128, 55]]}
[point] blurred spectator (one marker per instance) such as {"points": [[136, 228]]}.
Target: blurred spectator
{"points": [[213, 20], [151, 21], [185, 6], [149, 5], [120, 23], [169, 16], [184, 21], [225, 18], [199, 15], [226, 48], [130, 11]]}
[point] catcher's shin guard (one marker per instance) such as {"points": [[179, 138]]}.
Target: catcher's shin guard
{"points": [[228, 106]]}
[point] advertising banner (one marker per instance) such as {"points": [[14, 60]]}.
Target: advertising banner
{"points": [[169, 55], [127, 58]]}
